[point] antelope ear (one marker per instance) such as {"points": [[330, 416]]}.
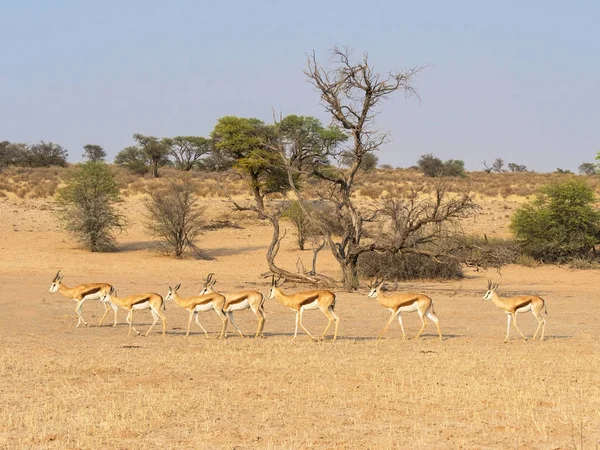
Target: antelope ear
{"points": [[112, 291], [177, 287]]}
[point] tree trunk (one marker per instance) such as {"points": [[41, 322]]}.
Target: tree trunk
{"points": [[155, 169], [350, 273]]}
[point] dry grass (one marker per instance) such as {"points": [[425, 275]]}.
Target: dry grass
{"points": [[42, 182], [65, 387], [104, 391]]}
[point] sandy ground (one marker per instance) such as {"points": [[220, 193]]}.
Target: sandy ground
{"points": [[94, 387]]}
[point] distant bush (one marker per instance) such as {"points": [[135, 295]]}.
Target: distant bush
{"points": [[407, 267], [432, 166], [560, 224], [134, 159]]}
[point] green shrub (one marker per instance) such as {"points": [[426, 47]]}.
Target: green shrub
{"points": [[87, 205], [561, 223]]}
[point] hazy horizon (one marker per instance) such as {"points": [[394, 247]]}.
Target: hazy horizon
{"points": [[508, 79]]}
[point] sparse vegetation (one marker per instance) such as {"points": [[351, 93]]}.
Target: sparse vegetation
{"points": [[175, 217]]}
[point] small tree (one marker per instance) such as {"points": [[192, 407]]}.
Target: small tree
{"points": [[175, 217], [156, 150], [12, 154], [187, 150], [560, 223], [304, 228], [588, 169], [517, 168], [559, 170], [369, 161], [93, 152], [430, 165], [87, 206], [46, 154], [498, 165], [134, 159]]}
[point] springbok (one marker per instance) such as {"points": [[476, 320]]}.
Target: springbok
{"points": [[300, 301], [399, 302], [513, 305], [239, 301], [81, 293]]}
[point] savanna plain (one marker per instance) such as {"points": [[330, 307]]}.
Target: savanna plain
{"points": [[95, 387]]}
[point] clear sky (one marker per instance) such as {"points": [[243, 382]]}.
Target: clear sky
{"points": [[515, 79]]}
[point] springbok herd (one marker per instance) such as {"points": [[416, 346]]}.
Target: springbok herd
{"points": [[226, 304]]}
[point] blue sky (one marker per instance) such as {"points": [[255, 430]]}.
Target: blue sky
{"points": [[513, 79]]}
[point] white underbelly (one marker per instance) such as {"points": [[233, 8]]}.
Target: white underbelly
{"points": [[204, 307], [144, 305], [410, 308], [313, 305], [95, 296], [238, 306], [524, 308]]}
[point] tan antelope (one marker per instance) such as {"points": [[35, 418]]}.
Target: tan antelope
{"points": [[239, 301], [399, 302], [513, 305], [200, 303], [301, 301], [151, 301], [81, 293]]}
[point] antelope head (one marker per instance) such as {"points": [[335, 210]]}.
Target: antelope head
{"points": [[209, 282], [374, 288], [275, 283], [491, 288], [56, 282], [172, 293], [105, 297]]}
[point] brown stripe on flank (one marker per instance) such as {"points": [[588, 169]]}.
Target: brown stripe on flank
{"points": [[90, 291], [525, 303], [145, 299], [236, 300], [309, 300]]}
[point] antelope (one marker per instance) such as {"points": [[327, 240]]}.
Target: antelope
{"points": [[239, 301], [200, 303], [151, 301], [81, 293], [399, 302], [513, 305], [300, 301]]}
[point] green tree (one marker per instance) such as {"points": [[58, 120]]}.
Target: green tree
{"points": [[560, 223], [187, 150], [369, 160], [517, 168], [307, 141], [246, 141], [431, 166], [87, 205], [93, 152], [12, 154], [134, 159], [156, 150], [588, 169], [46, 154]]}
